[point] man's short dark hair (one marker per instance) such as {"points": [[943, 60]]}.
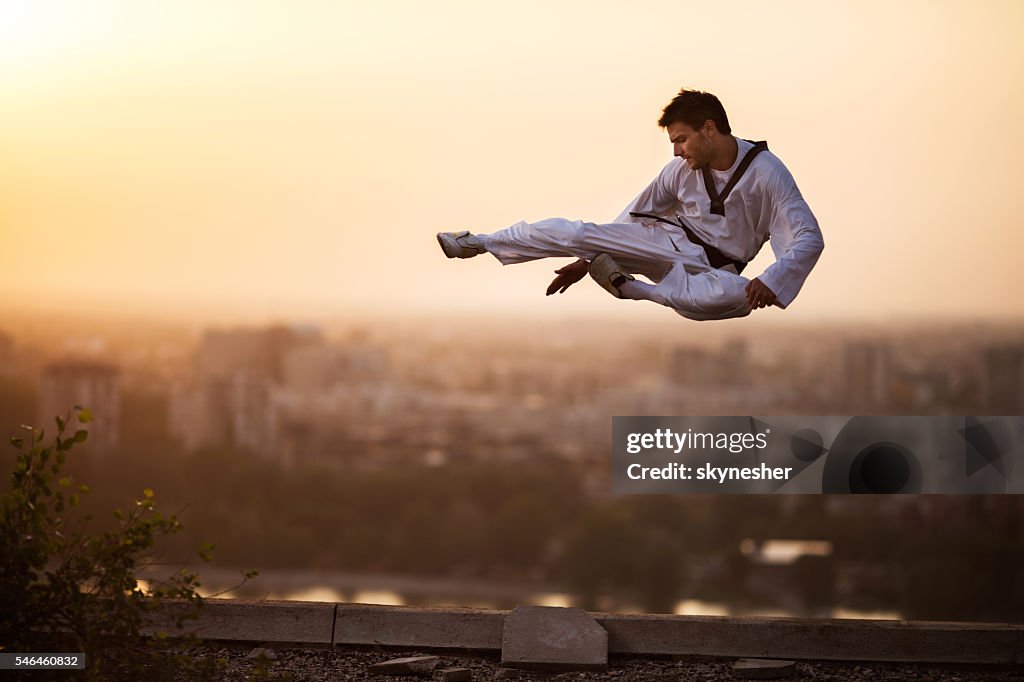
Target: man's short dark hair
{"points": [[693, 107]]}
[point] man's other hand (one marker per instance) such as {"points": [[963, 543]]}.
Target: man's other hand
{"points": [[567, 276], [758, 295]]}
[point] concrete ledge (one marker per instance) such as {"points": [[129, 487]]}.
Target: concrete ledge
{"points": [[419, 627], [831, 639], [714, 636], [256, 621]]}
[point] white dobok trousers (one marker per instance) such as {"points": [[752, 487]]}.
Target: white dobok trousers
{"points": [[685, 280]]}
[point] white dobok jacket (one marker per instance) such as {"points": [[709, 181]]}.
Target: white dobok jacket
{"points": [[764, 205]]}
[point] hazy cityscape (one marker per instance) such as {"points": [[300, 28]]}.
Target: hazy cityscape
{"points": [[373, 395], [470, 463]]}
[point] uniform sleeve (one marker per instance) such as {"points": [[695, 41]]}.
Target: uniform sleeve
{"points": [[795, 237], [659, 197]]}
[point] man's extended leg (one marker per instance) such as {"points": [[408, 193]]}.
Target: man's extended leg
{"points": [[686, 282], [651, 251]]}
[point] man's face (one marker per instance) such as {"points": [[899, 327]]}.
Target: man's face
{"points": [[694, 146]]}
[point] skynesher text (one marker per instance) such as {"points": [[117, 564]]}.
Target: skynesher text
{"points": [[681, 472]]}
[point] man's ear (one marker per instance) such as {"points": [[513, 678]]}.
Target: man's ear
{"points": [[709, 128]]}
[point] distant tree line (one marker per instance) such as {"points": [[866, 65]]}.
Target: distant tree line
{"points": [[533, 520]]}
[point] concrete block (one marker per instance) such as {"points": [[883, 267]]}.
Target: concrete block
{"points": [[824, 639], [553, 638], [252, 621], [763, 669], [446, 628], [455, 675]]}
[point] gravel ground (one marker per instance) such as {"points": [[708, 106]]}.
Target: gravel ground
{"points": [[350, 663]]}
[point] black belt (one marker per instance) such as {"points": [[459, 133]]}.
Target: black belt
{"points": [[716, 258]]}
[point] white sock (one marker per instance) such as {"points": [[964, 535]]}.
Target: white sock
{"points": [[636, 290]]}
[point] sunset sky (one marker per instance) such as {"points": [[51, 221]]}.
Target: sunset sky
{"points": [[281, 158]]}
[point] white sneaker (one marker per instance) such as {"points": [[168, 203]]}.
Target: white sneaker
{"points": [[459, 244], [606, 272]]}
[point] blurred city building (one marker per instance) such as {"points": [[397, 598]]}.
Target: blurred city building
{"points": [[281, 392], [227, 398], [6, 354], [868, 376], [1003, 380], [89, 383]]}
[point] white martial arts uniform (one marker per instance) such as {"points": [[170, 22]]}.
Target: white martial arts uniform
{"points": [[764, 203]]}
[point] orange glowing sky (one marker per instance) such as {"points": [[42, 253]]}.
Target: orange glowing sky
{"points": [[279, 157]]}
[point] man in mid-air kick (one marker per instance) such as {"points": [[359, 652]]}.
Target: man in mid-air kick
{"points": [[691, 231]]}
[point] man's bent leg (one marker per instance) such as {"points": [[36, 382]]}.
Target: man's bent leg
{"points": [[719, 309], [710, 295], [636, 290]]}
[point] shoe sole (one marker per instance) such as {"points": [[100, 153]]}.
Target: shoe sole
{"points": [[444, 247], [447, 247], [453, 249]]}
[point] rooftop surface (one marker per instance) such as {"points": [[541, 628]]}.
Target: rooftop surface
{"points": [[343, 663]]}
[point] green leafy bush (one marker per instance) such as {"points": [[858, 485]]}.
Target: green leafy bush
{"points": [[66, 587]]}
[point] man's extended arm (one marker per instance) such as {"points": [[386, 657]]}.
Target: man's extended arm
{"points": [[795, 239], [567, 276]]}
